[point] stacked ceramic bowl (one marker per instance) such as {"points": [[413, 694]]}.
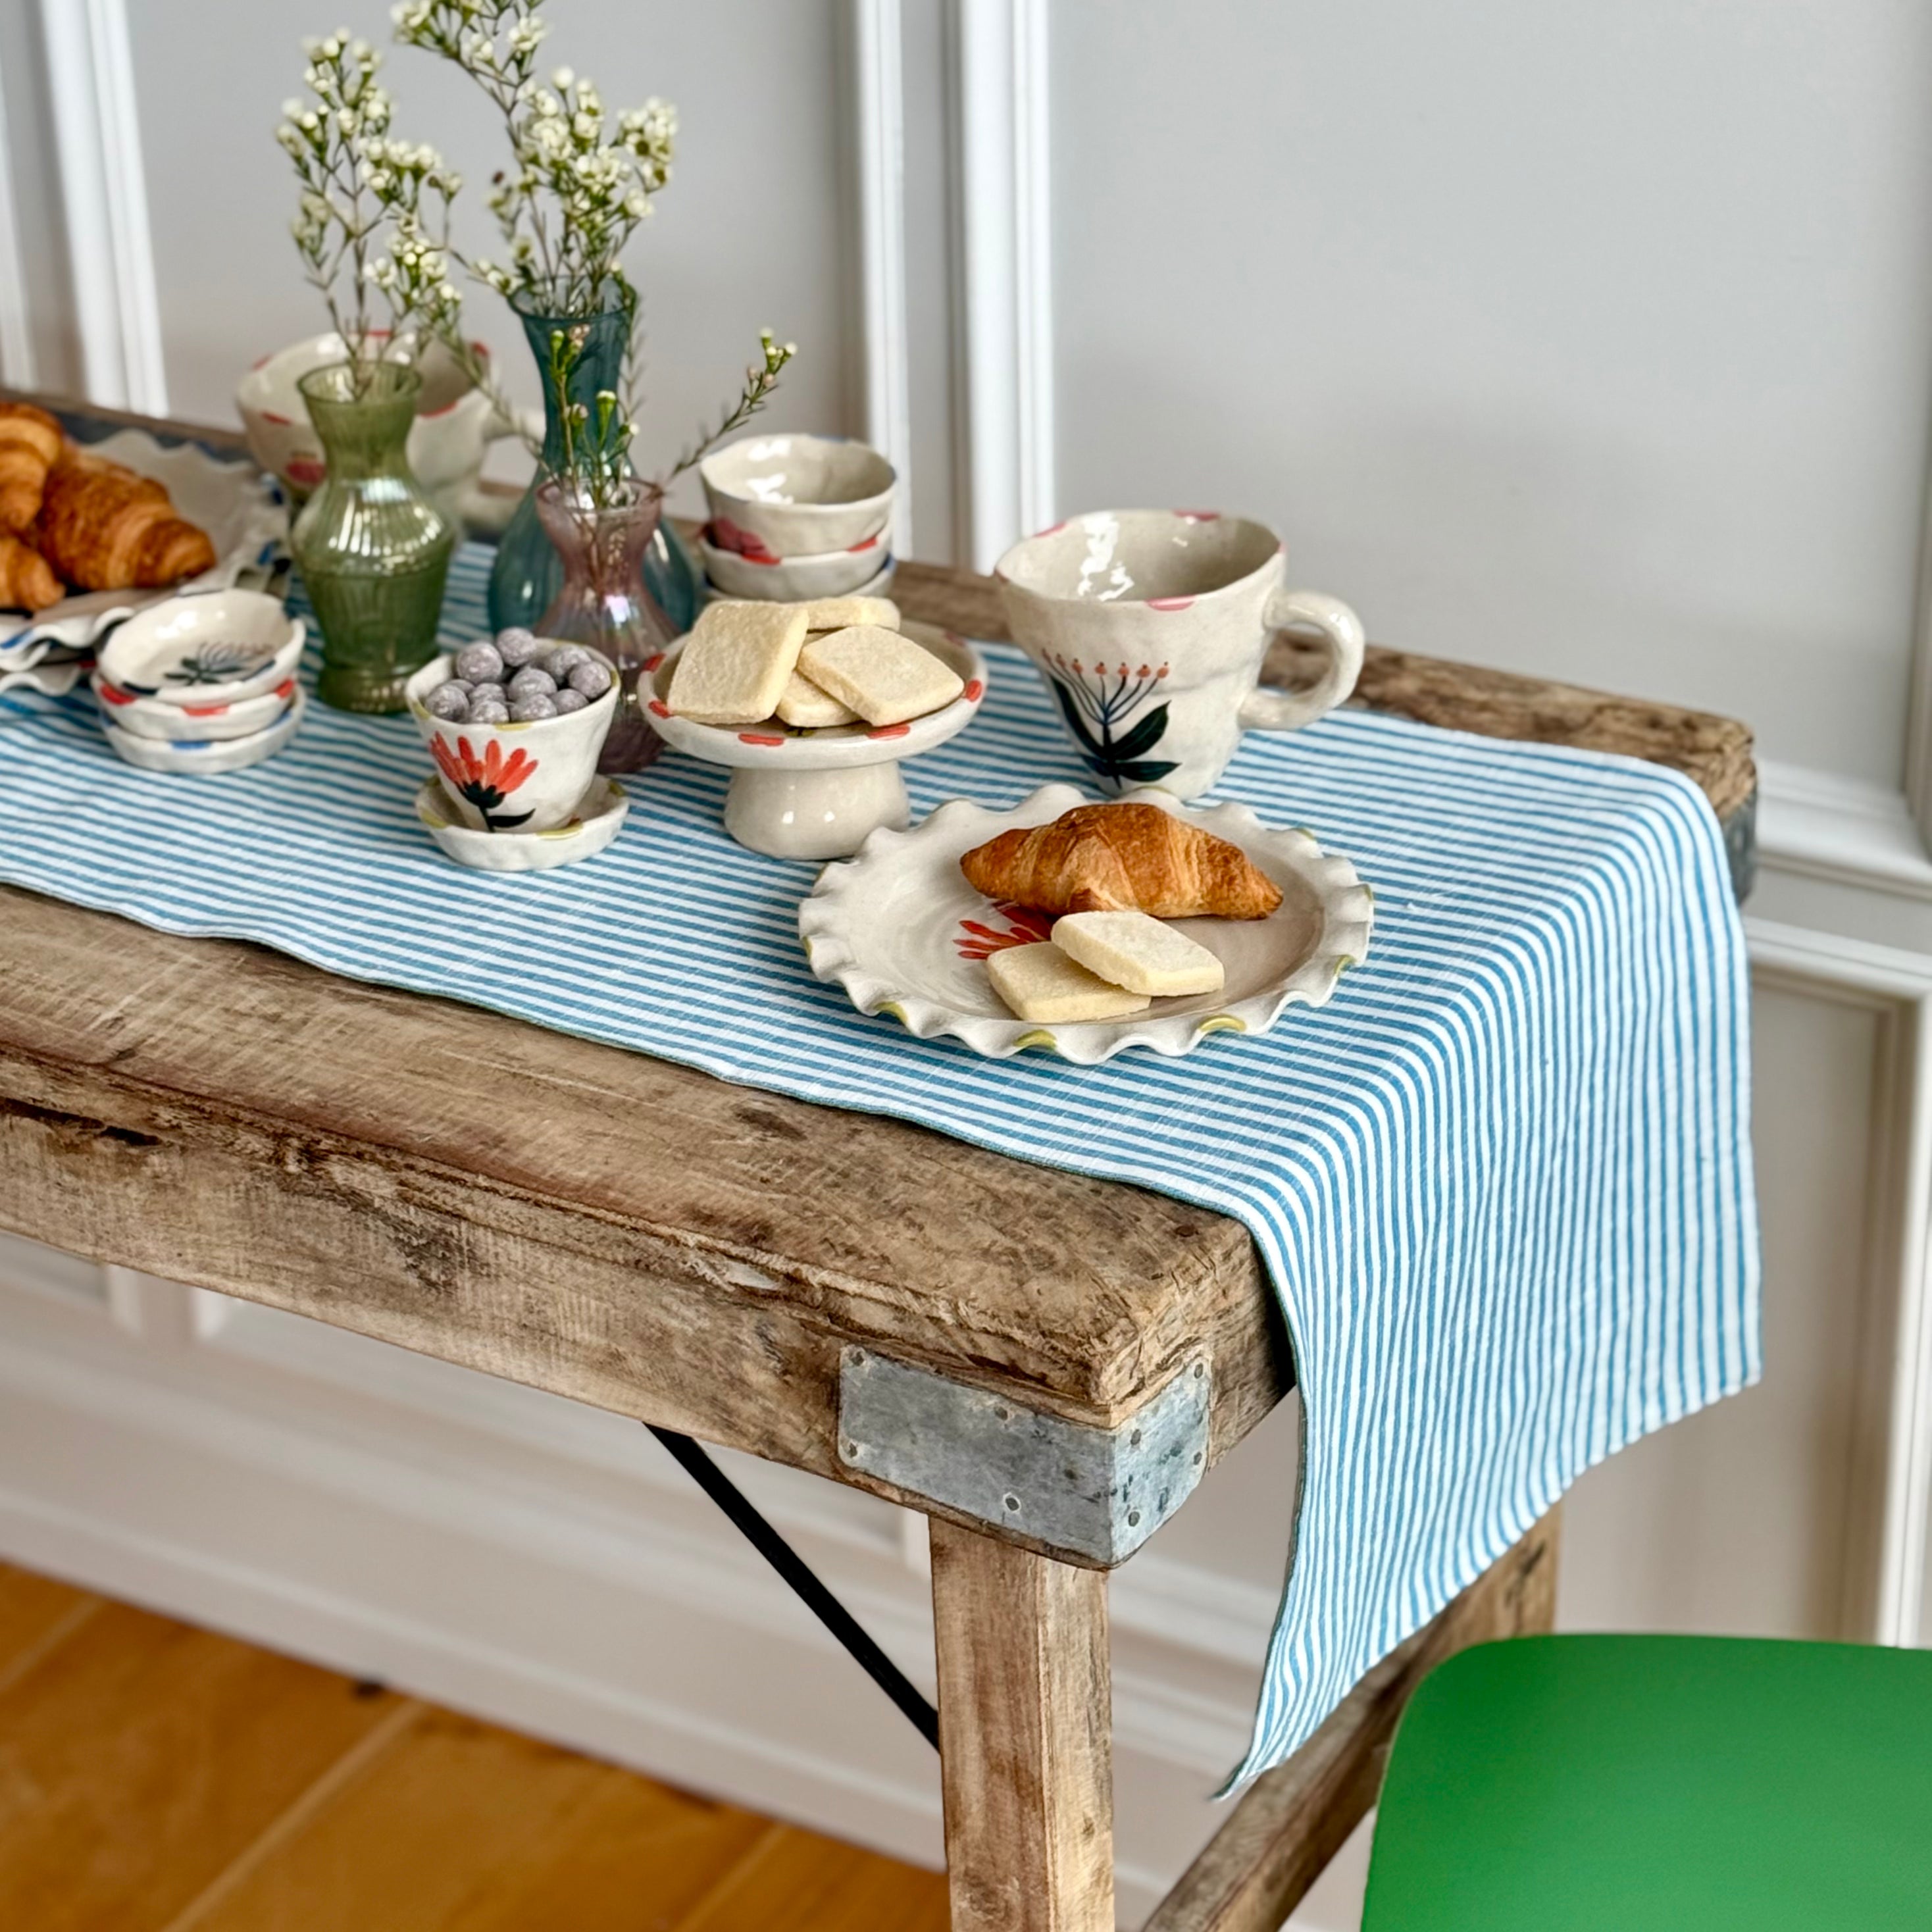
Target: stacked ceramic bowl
{"points": [[794, 517], [198, 684]]}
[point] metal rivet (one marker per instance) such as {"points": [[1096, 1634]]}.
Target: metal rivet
{"points": [[1133, 1519], [1012, 1502]]}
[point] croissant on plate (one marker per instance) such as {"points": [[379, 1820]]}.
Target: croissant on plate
{"points": [[104, 528], [30, 445], [27, 581], [1122, 858]]}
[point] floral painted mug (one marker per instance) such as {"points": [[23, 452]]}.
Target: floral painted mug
{"points": [[1149, 627]]}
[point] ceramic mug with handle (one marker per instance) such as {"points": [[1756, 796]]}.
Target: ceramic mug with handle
{"points": [[1149, 627]]}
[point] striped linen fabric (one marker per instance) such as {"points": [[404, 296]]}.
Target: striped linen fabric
{"points": [[1502, 1182]]}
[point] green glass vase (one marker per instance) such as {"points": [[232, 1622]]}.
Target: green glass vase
{"points": [[528, 575], [373, 550]]}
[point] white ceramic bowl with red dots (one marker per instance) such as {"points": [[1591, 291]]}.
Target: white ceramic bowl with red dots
{"points": [[817, 794], [739, 565]]}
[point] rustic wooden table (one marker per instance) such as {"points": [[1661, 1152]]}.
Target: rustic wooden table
{"points": [[759, 1272]]}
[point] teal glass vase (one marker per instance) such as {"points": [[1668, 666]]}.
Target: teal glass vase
{"points": [[528, 573], [372, 549]]}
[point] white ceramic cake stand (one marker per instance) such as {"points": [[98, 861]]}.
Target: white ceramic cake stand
{"points": [[817, 794]]}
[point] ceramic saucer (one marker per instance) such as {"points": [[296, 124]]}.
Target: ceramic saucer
{"points": [[901, 931], [204, 756], [598, 818]]}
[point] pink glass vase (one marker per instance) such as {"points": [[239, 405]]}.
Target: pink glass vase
{"points": [[604, 602]]}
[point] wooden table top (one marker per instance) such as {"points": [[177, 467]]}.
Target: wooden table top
{"points": [[613, 1227]]}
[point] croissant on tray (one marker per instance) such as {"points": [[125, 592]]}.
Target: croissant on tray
{"points": [[1122, 858], [104, 528], [27, 581], [30, 445]]}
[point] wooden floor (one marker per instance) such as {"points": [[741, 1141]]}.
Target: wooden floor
{"points": [[155, 1777]]}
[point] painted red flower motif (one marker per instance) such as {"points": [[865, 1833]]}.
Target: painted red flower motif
{"points": [[721, 533], [1023, 927], [486, 781]]}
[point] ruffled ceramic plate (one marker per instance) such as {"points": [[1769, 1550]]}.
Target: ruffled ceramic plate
{"points": [[901, 931], [50, 680], [241, 509]]}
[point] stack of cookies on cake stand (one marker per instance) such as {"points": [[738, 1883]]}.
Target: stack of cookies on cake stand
{"points": [[811, 705]]}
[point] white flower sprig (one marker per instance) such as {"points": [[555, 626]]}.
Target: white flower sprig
{"points": [[580, 184], [374, 212]]}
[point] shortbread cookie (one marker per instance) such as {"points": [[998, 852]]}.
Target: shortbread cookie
{"points": [[838, 613], [804, 706], [884, 677], [1041, 983], [734, 666], [1131, 949]]}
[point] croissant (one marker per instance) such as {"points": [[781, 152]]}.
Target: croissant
{"points": [[27, 583], [1122, 858], [30, 445], [104, 528]]}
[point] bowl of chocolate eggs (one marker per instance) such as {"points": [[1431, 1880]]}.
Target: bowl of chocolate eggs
{"points": [[515, 723]]}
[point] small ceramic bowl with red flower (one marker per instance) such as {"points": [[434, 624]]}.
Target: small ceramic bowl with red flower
{"points": [[526, 777]]}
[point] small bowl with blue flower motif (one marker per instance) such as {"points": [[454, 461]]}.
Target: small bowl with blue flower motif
{"points": [[198, 723], [207, 758], [217, 647], [524, 776]]}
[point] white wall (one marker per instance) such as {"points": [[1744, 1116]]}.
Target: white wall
{"points": [[1594, 342], [1588, 340]]}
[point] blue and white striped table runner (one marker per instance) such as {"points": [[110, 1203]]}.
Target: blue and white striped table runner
{"points": [[1502, 1182]]}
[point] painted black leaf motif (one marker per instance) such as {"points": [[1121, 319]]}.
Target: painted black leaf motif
{"points": [[1146, 771], [1119, 760], [1142, 737], [1077, 725]]}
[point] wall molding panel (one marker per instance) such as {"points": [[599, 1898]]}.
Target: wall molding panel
{"points": [[877, 72], [16, 343], [104, 200], [1884, 1582], [1821, 825], [1004, 218]]}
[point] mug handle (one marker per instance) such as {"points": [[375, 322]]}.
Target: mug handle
{"points": [[1267, 708]]}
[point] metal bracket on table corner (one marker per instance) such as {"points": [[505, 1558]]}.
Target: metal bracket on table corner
{"points": [[1099, 1493]]}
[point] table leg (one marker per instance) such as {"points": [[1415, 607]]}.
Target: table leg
{"points": [[1025, 1737], [1293, 1819]]}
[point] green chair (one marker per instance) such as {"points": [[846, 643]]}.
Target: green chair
{"points": [[1659, 1784]]}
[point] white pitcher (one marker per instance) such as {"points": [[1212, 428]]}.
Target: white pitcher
{"points": [[454, 427]]}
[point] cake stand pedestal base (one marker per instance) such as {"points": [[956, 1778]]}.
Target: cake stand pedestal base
{"points": [[815, 814]]}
